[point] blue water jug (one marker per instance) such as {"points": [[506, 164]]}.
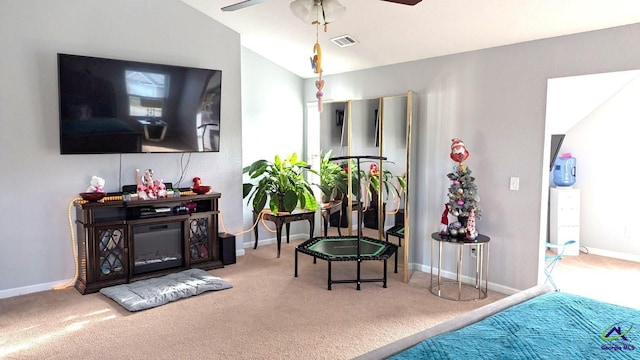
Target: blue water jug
{"points": [[564, 170]]}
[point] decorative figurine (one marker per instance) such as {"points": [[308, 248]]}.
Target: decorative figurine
{"points": [[471, 233], [161, 188], [147, 188], [96, 184], [148, 182], [196, 182], [141, 188], [444, 222], [459, 152]]}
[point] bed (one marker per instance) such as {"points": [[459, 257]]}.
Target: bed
{"points": [[99, 135], [537, 323]]}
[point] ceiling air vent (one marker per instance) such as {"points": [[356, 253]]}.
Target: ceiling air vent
{"points": [[344, 41]]}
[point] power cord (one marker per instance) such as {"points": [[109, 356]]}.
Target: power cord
{"points": [[73, 248], [183, 168], [259, 218]]}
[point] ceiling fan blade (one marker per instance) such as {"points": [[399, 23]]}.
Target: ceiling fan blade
{"points": [[404, 2], [241, 5]]}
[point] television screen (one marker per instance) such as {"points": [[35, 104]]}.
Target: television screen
{"points": [[344, 135], [556, 143], [119, 106]]}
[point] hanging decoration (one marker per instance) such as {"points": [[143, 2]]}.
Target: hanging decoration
{"points": [[316, 64], [317, 12]]}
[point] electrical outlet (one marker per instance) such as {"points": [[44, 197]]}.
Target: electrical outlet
{"points": [[514, 183], [473, 252]]}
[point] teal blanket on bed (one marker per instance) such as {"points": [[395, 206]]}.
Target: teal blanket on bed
{"points": [[551, 326]]}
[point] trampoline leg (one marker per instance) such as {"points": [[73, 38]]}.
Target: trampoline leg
{"points": [[395, 270], [358, 277], [295, 273], [328, 275], [384, 278], [314, 259]]}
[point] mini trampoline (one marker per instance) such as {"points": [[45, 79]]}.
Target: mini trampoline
{"points": [[349, 248]]}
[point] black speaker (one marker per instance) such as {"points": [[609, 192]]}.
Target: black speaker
{"points": [[227, 248]]}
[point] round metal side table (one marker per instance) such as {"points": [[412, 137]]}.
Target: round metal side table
{"points": [[457, 289]]}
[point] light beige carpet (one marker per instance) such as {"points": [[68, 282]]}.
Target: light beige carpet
{"points": [[268, 314]]}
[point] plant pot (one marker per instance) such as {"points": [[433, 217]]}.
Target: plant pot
{"points": [[280, 203], [371, 216]]}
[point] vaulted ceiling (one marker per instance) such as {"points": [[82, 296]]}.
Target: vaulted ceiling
{"points": [[389, 33]]}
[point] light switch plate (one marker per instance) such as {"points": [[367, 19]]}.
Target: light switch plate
{"points": [[514, 183]]}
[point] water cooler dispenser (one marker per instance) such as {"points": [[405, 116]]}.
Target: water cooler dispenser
{"points": [[564, 205], [564, 170]]}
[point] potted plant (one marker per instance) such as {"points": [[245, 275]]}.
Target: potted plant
{"points": [[378, 182], [333, 178], [388, 180], [282, 182]]}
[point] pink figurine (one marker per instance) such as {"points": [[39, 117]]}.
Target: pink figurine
{"points": [[161, 188], [141, 188], [148, 182], [471, 233]]}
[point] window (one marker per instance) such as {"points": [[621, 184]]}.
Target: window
{"points": [[147, 92]]}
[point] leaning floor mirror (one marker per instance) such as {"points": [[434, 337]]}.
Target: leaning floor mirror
{"points": [[377, 127]]}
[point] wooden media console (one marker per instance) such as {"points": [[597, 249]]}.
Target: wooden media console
{"points": [[123, 241]]}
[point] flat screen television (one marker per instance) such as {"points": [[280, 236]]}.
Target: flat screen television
{"points": [[117, 106], [556, 143]]}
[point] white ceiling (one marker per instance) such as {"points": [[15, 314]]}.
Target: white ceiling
{"points": [[391, 33]]}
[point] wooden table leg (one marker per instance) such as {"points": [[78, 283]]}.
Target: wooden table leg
{"points": [[255, 231], [326, 224], [279, 236], [295, 273]]}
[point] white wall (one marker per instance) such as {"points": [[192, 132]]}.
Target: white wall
{"points": [[273, 124], [38, 183], [605, 149], [494, 100]]}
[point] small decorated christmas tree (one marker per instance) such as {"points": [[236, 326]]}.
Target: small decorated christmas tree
{"points": [[463, 192]]}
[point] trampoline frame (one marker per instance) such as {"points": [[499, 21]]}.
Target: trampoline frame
{"points": [[387, 248]]}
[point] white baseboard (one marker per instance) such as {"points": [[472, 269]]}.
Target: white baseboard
{"points": [[272, 240], [613, 254], [499, 288], [7, 293]]}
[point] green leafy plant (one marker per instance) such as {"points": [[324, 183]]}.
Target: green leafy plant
{"points": [[463, 193], [388, 181], [392, 185], [281, 182], [333, 178]]}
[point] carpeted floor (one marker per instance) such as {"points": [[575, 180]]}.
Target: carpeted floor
{"points": [[268, 314]]}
